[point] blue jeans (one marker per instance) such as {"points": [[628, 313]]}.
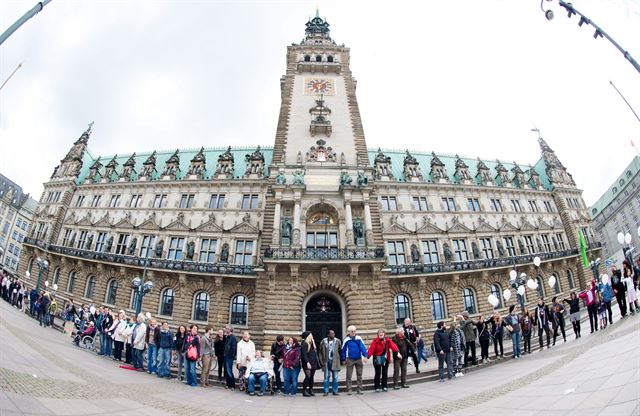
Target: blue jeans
{"points": [[190, 370], [108, 345], [228, 373], [137, 358], [252, 382], [103, 343], [516, 337], [164, 362], [152, 358], [328, 374], [291, 380], [420, 355]]}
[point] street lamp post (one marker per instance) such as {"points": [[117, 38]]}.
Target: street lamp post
{"points": [[141, 288], [42, 265], [517, 282]]}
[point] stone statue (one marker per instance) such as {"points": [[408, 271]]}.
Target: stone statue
{"points": [[191, 247], [281, 179], [285, 231], [345, 179], [159, 248], [89, 244], [299, 158], [132, 246], [358, 231], [343, 159], [475, 250], [109, 244], [298, 177], [539, 244], [224, 253], [362, 179], [447, 253], [500, 249], [521, 245], [415, 254]]}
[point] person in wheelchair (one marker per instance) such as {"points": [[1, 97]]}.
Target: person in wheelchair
{"points": [[259, 370], [90, 331]]}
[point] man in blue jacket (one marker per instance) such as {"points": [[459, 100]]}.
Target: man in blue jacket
{"points": [[354, 354], [607, 294], [230, 349]]}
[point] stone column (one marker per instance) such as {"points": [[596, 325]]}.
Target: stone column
{"points": [[296, 223], [368, 226], [349, 223], [276, 224]]}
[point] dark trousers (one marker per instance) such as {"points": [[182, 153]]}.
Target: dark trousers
{"points": [[608, 306], [576, 328], [381, 375], [497, 342], [276, 370], [593, 316], [228, 373], [307, 383], [470, 347], [484, 348], [622, 304], [128, 356], [545, 329], [414, 356], [441, 360], [220, 367], [527, 342], [559, 326], [117, 350]]}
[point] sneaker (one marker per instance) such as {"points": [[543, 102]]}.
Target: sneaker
{"points": [[335, 393], [325, 394], [359, 392], [377, 390], [441, 380], [384, 389], [251, 393], [349, 392], [404, 386], [260, 394]]}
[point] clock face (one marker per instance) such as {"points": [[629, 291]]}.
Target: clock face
{"points": [[317, 86]]}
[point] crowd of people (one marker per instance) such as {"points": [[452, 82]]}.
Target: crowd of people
{"points": [[137, 340]]}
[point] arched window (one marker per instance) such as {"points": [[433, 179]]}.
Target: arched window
{"points": [[239, 310], [56, 276], [307, 58], [572, 284], [318, 58], [621, 182], [112, 290], [402, 308], [91, 284], [496, 290], [329, 58], [556, 287], [201, 307], [469, 298], [72, 282], [540, 288], [628, 174], [30, 265], [438, 310], [166, 302]]}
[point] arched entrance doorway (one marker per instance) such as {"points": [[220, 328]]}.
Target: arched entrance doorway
{"points": [[323, 312]]}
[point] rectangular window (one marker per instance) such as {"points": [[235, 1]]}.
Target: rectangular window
{"points": [[244, 252], [24, 225], [82, 239], [146, 248], [121, 247], [389, 203], [430, 251], [528, 242], [160, 201], [249, 201], [136, 201], [216, 201], [460, 250], [176, 246], [533, 206], [396, 253], [420, 203], [14, 235], [547, 206], [560, 239], [208, 250], [508, 243], [66, 238], [515, 205], [115, 201], [546, 243], [18, 222], [448, 204], [96, 201], [102, 237], [487, 248], [473, 204], [186, 200], [322, 240], [79, 200]]}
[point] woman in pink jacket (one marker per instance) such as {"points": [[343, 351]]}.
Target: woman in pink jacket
{"points": [[591, 300]]}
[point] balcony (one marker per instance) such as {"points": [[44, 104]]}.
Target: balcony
{"points": [[407, 269], [154, 263], [288, 253]]}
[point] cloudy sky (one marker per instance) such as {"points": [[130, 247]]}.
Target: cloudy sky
{"points": [[470, 77]]}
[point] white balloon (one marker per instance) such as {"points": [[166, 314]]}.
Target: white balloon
{"points": [[27, 273], [92, 309], [605, 279], [638, 231], [55, 286], [627, 238], [536, 261], [506, 294], [521, 290], [513, 274], [148, 315], [620, 237], [523, 276], [532, 284], [46, 283], [552, 281], [493, 300]]}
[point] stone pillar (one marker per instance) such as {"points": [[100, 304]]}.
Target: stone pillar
{"points": [[296, 223], [276, 223], [368, 225], [349, 223]]}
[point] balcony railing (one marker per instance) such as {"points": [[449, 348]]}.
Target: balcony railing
{"points": [[478, 264], [155, 263], [324, 253]]}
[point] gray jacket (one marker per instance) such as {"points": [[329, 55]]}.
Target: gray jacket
{"points": [[207, 346], [469, 330]]}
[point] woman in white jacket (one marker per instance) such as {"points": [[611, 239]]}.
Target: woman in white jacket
{"points": [[127, 333], [245, 353], [119, 325]]}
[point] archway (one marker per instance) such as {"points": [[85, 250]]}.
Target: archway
{"points": [[323, 311]]}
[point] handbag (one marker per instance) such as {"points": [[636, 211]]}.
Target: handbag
{"points": [[381, 360]]}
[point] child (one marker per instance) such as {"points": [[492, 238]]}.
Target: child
{"points": [[602, 311]]}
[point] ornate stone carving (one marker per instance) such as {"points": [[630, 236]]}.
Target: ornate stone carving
{"points": [[438, 169], [172, 165], [255, 163], [225, 164], [224, 253], [483, 176], [128, 168], [281, 179], [191, 248], [298, 177], [382, 166], [415, 254], [462, 170], [411, 171], [286, 228], [110, 169], [149, 165], [362, 179], [502, 177], [345, 179], [159, 247], [475, 250], [448, 256], [132, 246], [94, 171], [321, 153], [518, 176], [198, 164]]}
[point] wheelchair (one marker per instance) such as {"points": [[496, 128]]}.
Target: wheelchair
{"points": [[270, 390]]}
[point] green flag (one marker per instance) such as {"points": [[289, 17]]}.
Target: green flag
{"points": [[583, 249]]}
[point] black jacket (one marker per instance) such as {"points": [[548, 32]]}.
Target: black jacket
{"points": [[308, 355], [483, 330], [230, 347], [547, 315], [106, 323], [574, 304], [179, 341], [218, 347], [618, 285], [441, 341]]}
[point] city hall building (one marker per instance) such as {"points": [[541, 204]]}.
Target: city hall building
{"points": [[314, 231]]}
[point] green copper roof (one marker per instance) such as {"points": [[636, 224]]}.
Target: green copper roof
{"points": [[618, 186]]}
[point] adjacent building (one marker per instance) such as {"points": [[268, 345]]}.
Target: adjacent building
{"points": [[16, 213], [618, 210], [315, 231]]}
